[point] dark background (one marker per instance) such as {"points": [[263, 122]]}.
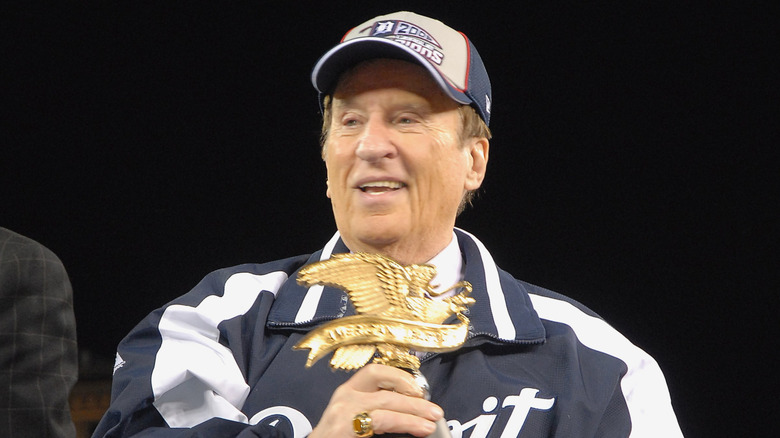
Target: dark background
{"points": [[632, 165]]}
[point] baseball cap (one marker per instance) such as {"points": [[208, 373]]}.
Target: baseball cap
{"points": [[447, 54]]}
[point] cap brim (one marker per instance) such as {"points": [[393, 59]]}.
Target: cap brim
{"points": [[345, 55]]}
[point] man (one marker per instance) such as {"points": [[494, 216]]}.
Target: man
{"points": [[38, 354], [406, 105]]}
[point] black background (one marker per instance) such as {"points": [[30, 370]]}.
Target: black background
{"points": [[632, 166]]}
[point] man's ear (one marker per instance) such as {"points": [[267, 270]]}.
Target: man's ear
{"points": [[478, 151]]}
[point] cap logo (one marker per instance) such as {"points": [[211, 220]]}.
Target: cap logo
{"points": [[410, 35]]}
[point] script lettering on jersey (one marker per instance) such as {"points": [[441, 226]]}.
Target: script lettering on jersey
{"points": [[275, 416], [520, 405]]}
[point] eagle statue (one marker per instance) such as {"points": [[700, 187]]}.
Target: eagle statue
{"points": [[389, 293]]}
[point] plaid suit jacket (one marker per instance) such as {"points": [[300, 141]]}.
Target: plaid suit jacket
{"points": [[38, 353]]}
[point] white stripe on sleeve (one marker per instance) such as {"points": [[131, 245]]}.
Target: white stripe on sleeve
{"points": [[644, 386], [196, 378]]}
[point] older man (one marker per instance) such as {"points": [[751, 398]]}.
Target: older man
{"points": [[406, 105]]}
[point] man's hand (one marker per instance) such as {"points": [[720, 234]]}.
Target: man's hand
{"points": [[391, 398]]}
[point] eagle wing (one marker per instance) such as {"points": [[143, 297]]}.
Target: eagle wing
{"points": [[375, 284], [351, 357]]}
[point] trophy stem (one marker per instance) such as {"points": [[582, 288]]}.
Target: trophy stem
{"points": [[442, 430]]}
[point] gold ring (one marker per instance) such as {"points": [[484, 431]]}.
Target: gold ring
{"points": [[363, 425]]}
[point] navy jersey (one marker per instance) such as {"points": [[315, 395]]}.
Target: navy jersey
{"points": [[219, 362]]}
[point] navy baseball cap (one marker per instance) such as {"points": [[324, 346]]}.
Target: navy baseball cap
{"points": [[447, 54]]}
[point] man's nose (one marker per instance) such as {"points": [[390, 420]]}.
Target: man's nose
{"points": [[375, 142]]}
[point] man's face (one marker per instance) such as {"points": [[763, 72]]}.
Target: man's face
{"points": [[397, 168]]}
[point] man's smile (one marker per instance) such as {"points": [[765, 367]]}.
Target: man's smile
{"points": [[379, 187]]}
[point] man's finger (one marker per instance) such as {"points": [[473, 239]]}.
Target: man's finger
{"points": [[374, 377]]}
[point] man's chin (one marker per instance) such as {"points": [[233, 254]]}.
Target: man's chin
{"points": [[374, 239]]}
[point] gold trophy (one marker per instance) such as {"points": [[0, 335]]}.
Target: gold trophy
{"points": [[395, 315]]}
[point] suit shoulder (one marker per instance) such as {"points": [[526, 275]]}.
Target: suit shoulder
{"points": [[24, 247]]}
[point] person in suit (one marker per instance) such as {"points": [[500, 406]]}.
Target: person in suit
{"points": [[38, 350]]}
